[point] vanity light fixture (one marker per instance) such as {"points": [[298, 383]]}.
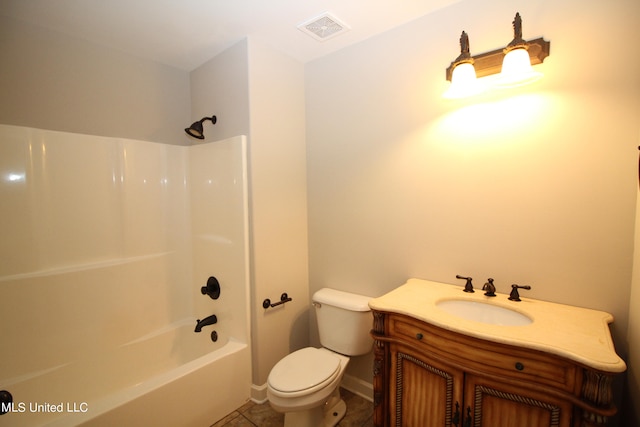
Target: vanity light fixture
{"points": [[513, 62], [195, 130]]}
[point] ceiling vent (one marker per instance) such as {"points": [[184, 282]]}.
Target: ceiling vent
{"points": [[323, 27]]}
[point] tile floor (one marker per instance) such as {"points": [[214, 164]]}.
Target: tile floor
{"points": [[359, 414]]}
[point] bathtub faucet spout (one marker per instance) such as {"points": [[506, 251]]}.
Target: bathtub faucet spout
{"points": [[211, 320]]}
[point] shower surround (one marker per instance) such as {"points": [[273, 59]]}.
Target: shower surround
{"points": [[106, 244]]}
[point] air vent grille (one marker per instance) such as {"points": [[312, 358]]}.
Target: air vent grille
{"points": [[323, 27]]}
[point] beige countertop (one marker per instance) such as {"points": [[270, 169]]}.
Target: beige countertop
{"points": [[576, 333]]}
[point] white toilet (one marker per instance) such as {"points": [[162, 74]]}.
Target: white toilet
{"points": [[305, 384]]}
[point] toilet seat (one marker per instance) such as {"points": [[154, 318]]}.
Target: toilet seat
{"points": [[303, 372]]}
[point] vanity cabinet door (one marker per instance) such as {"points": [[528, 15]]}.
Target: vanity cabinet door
{"points": [[496, 404], [423, 392]]}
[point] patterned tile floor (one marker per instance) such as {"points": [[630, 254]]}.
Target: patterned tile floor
{"points": [[359, 414]]}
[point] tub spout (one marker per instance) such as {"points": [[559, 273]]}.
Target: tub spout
{"points": [[211, 320]]}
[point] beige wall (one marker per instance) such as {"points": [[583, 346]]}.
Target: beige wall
{"points": [[51, 81], [535, 186], [220, 87], [278, 205]]}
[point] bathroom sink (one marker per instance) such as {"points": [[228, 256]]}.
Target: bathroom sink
{"points": [[483, 312]]}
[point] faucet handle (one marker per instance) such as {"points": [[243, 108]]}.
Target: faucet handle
{"points": [[514, 295], [212, 288], [468, 287]]}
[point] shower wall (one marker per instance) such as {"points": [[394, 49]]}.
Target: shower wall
{"points": [[106, 240]]}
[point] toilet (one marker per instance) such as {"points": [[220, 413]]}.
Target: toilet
{"points": [[305, 384]]}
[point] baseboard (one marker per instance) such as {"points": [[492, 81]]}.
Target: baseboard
{"points": [[259, 393], [357, 386], [354, 384]]}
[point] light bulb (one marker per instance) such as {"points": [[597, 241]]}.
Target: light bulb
{"points": [[463, 82], [517, 69]]}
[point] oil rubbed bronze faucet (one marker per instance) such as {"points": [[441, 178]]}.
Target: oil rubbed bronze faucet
{"points": [[490, 288], [514, 295], [211, 320]]}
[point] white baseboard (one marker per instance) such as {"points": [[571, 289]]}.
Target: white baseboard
{"points": [[259, 393], [353, 384], [357, 386]]}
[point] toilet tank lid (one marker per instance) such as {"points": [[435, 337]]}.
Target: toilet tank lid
{"points": [[340, 299]]}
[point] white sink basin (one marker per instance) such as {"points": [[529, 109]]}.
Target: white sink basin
{"points": [[484, 312]]}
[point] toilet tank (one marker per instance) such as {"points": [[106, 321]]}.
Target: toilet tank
{"points": [[344, 321]]}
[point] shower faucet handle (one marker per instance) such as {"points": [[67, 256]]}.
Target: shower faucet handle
{"points": [[212, 289]]}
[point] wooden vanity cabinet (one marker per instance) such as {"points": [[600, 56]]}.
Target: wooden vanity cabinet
{"points": [[425, 376]]}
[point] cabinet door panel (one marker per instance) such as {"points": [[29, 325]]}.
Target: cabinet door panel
{"points": [[422, 394], [503, 405]]}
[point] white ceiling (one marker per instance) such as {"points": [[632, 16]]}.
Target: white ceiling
{"points": [[187, 33]]}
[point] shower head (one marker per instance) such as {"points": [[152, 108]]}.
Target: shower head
{"points": [[195, 130]]}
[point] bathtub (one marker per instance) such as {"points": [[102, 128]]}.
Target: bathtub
{"points": [[106, 245], [171, 377]]}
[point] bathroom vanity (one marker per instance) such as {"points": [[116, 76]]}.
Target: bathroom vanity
{"points": [[444, 357]]}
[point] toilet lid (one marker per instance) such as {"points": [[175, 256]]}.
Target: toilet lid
{"points": [[303, 369]]}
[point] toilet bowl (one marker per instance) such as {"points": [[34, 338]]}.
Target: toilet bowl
{"points": [[305, 384]]}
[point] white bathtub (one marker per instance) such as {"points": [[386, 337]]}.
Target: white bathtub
{"points": [[106, 245], [174, 377]]}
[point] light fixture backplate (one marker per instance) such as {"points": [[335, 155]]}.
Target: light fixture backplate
{"points": [[490, 63]]}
